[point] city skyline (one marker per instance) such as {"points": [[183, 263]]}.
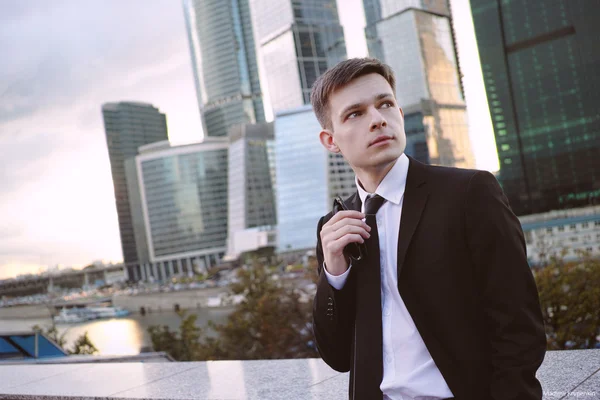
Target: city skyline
{"points": [[58, 201]]}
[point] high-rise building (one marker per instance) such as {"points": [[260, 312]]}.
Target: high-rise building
{"points": [[299, 40], [415, 38], [182, 191], [566, 234], [224, 63], [308, 178], [540, 64], [128, 126], [251, 217]]}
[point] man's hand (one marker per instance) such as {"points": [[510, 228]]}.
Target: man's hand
{"points": [[343, 228]]}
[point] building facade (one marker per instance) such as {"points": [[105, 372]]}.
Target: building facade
{"points": [[128, 126], [250, 188], [183, 195], [415, 38], [308, 178], [572, 231], [224, 64], [299, 40], [540, 68]]}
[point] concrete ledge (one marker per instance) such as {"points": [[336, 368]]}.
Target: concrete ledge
{"points": [[564, 375]]}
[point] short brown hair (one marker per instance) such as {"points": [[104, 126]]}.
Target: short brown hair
{"points": [[339, 76]]}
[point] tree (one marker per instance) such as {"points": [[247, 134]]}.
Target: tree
{"points": [[269, 323], [184, 345], [570, 299], [83, 344]]}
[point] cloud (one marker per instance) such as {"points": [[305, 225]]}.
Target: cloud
{"points": [[65, 59]]}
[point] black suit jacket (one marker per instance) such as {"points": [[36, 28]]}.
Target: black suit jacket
{"points": [[463, 276]]}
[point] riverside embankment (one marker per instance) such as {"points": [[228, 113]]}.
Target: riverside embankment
{"points": [[151, 302]]}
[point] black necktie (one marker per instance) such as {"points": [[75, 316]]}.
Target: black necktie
{"points": [[369, 349], [372, 205]]}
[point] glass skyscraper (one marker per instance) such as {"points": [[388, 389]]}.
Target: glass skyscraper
{"points": [[540, 63], [250, 186], [183, 195], [128, 126], [299, 41], [250, 183], [308, 178], [224, 63], [415, 38]]}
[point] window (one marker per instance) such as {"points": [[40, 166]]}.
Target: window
{"points": [[585, 225], [561, 228], [548, 230], [572, 227]]}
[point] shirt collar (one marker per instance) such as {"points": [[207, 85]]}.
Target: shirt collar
{"points": [[393, 184]]}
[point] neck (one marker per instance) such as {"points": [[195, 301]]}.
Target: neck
{"points": [[370, 178]]}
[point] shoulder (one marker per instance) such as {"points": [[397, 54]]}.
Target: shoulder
{"points": [[459, 183], [451, 176]]}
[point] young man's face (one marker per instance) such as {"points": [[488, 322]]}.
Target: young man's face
{"points": [[367, 124]]}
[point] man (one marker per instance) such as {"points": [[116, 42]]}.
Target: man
{"points": [[444, 304]]}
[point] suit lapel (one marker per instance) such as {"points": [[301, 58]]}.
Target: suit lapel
{"points": [[415, 198], [353, 202]]}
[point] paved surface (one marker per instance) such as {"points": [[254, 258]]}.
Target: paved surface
{"points": [[564, 375]]}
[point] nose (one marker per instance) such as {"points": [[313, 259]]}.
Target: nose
{"points": [[377, 120]]}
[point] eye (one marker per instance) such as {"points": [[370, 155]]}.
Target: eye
{"points": [[387, 104], [353, 114]]}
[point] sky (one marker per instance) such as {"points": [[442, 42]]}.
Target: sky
{"points": [[61, 60]]}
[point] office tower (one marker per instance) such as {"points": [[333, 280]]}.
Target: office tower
{"points": [[415, 38], [298, 40], [224, 63], [183, 195], [308, 178], [573, 231], [540, 64], [252, 221], [128, 126]]}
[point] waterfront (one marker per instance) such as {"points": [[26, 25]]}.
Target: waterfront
{"points": [[117, 336]]}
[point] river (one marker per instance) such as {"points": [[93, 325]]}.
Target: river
{"points": [[117, 336]]}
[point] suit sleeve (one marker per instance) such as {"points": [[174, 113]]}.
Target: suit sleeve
{"points": [[508, 291], [333, 316]]}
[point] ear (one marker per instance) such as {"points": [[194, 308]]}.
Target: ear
{"points": [[401, 111], [326, 138]]}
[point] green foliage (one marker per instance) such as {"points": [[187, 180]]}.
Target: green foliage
{"points": [[182, 345], [83, 344], [270, 323], [570, 299]]}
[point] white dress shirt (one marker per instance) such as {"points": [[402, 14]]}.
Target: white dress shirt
{"points": [[409, 372]]}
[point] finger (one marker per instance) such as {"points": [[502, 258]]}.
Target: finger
{"points": [[350, 221], [345, 214], [337, 246], [342, 227], [332, 235]]}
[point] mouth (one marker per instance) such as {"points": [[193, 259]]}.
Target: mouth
{"points": [[381, 140]]}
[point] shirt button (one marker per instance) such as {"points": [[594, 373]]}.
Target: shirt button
{"points": [[388, 359], [387, 311]]}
